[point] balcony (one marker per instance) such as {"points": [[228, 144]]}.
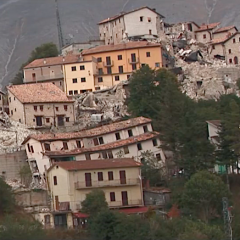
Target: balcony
{"points": [[104, 184], [128, 203], [108, 64], [133, 61], [43, 78]]}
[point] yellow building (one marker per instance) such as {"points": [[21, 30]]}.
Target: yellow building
{"points": [[69, 182], [117, 62]]}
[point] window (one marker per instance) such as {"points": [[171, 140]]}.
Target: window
{"points": [[139, 146], [230, 51], [158, 156], [110, 176], [47, 219], [78, 144], [57, 109], [99, 59], [119, 57], [117, 78], [74, 80], [88, 156], [145, 128], [213, 47], [88, 179], [154, 141], [47, 147], [100, 176], [230, 60], [120, 69], [74, 68], [112, 197], [82, 67], [75, 92], [116, 35], [67, 119], [143, 64], [95, 142], [100, 71], [11, 112], [157, 65], [70, 92], [55, 180], [65, 146], [15, 109], [110, 155], [35, 108], [104, 155], [128, 76], [234, 40], [126, 150], [109, 70], [100, 79], [32, 150], [117, 136], [150, 32], [149, 19], [119, 20], [141, 19], [41, 107], [65, 107], [204, 36], [148, 54], [101, 140], [10, 99], [134, 67], [20, 120], [130, 133], [83, 79], [47, 120], [29, 149], [97, 88]]}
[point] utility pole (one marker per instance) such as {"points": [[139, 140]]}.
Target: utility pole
{"points": [[227, 219], [59, 26]]}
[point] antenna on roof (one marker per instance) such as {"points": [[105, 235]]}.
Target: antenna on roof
{"points": [[59, 26]]}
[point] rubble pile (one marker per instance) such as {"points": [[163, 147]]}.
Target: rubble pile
{"points": [[109, 103], [12, 135]]}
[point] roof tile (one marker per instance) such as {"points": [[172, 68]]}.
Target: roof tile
{"points": [[224, 29], [210, 26]]}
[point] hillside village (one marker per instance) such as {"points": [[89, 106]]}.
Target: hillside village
{"points": [[69, 119]]}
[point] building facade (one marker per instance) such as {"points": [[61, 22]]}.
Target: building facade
{"points": [[40, 105], [117, 62], [142, 23], [224, 32], [128, 139]]}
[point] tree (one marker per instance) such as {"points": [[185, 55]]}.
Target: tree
{"points": [[203, 194], [7, 200], [95, 202], [44, 51]]}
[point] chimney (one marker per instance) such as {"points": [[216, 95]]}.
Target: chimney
{"points": [[154, 9], [44, 61]]}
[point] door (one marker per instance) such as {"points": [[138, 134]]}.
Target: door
{"points": [[122, 177], [39, 121], [108, 61], [60, 120], [88, 179], [133, 57], [235, 60], [124, 198], [34, 76], [60, 221]]}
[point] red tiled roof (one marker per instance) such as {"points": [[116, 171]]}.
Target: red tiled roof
{"points": [[223, 40], [210, 26], [53, 61], [118, 47], [103, 147], [38, 93], [125, 13], [224, 29], [217, 123], [97, 164], [134, 210], [91, 132]]}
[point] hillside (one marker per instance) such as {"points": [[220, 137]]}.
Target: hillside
{"points": [[25, 24]]}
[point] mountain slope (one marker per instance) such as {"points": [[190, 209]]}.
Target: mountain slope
{"points": [[25, 24]]}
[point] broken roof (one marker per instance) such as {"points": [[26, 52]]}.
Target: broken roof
{"points": [[43, 62], [104, 147], [116, 126], [223, 40], [216, 123], [118, 47], [113, 18], [97, 164], [206, 27], [38, 93], [225, 29]]}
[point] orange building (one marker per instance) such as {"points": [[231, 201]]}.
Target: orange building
{"points": [[117, 62]]}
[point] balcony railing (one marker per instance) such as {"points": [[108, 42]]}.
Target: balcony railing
{"points": [[108, 64], [133, 61], [103, 184], [127, 203], [43, 78]]}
